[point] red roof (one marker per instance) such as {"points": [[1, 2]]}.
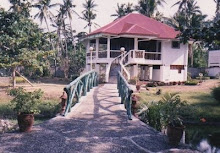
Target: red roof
{"points": [[138, 24]]}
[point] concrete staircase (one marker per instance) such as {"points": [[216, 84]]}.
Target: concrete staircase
{"points": [[115, 67]]}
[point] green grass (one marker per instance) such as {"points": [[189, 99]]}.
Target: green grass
{"points": [[201, 105], [48, 109]]}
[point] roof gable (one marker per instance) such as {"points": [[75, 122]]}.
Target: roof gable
{"points": [[138, 24]]}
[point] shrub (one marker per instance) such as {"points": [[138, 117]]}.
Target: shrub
{"points": [[216, 93], [192, 82], [154, 117], [203, 78], [102, 78], [19, 80], [151, 84], [166, 111], [25, 102], [48, 109], [133, 81]]}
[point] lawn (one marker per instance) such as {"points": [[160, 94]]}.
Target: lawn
{"points": [[199, 98], [49, 106]]}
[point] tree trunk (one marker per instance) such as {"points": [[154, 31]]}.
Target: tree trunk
{"points": [[13, 77], [190, 54], [50, 35], [72, 35]]}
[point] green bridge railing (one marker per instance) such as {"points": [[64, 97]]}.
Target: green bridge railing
{"points": [[79, 87], [125, 93]]}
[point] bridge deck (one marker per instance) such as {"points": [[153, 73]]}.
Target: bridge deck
{"points": [[97, 124]]}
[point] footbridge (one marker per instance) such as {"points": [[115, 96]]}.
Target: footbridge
{"points": [[98, 122]]}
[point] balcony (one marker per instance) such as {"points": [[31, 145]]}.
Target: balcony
{"points": [[133, 57], [143, 57]]}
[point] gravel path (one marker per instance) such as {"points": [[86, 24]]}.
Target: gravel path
{"points": [[97, 124]]}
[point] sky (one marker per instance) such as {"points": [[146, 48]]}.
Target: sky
{"points": [[107, 7]]}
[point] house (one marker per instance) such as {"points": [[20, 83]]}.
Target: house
{"points": [[214, 63], [140, 47]]}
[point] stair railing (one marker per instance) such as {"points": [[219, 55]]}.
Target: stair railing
{"points": [[115, 60], [123, 61]]}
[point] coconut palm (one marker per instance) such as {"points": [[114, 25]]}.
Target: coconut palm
{"points": [[148, 7], [123, 10], [66, 11], [88, 13], [189, 20], [44, 13], [217, 9]]}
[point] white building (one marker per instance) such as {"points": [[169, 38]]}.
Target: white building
{"points": [[214, 63], [214, 58], [138, 46]]}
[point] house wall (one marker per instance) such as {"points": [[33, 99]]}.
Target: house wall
{"points": [[171, 56], [214, 58], [156, 75]]}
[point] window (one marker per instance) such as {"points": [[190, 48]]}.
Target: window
{"points": [[177, 67], [176, 44], [156, 67]]}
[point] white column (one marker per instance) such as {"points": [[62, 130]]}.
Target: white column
{"points": [[97, 68], [97, 48], [108, 46], [135, 70], [186, 63], [87, 57], [162, 73], [135, 43], [150, 72]]}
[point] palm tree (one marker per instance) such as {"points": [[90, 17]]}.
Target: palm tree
{"points": [[148, 7], [66, 10], [44, 13], [188, 19], [88, 13], [123, 10], [217, 9]]}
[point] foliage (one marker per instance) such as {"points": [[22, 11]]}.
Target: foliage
{"points": [[48, 109], [191, 82], [133, 81], [151, 115], [21, 7], [216, 93], [19, 80], [102, 78], [88, 13], [25, 102], [123, 10], [200, 56], [148, 7], [77, 62], [22, 42], [165, 112], [203, 78], [170, 110]]}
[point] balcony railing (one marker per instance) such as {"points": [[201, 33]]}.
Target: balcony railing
{"points": [[145, 55], [152, 55], [115, 53]]}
